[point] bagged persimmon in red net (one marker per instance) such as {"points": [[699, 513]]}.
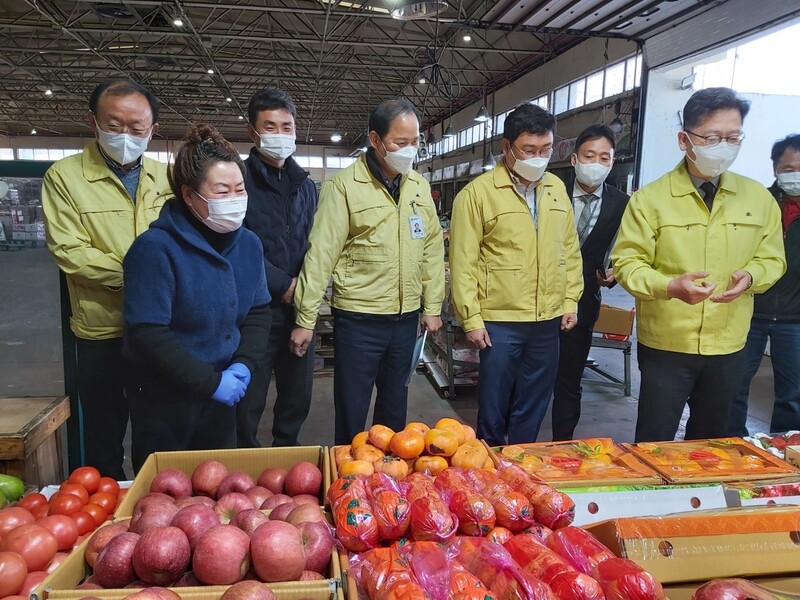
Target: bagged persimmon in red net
{"points": [[391, 509], [512, 509], [550, 507], [440, 574], [356, 526], [475, 513], [383, 574], [431, 519]]}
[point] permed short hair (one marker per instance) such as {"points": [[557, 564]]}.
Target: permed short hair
{"points": [[270, 99], [790, 141], [123, 86], [705, 102], [380, 120], [528, 118], [594, 132]]}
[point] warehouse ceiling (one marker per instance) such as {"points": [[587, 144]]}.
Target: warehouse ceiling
{"points": [[337, 59]]}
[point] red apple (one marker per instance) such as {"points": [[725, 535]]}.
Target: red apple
{"points": [[154, 593], [172, 482], [136, 585], [248, 590], [189, 500], [317, 545], [272, 478], [257, 494], [280, 512], [31, 582], [222, 556], [237, 481], [87, 585], [152, 516], [230, 504], [304, 512], [99, 539], [275, 500], [303, 478], [207, 476], [311, 576], [249, 520], [114, 566], [194, 520], [276, 549], [306, 499], [57, 560], [188, 580], [153, 497], [161, 556]]}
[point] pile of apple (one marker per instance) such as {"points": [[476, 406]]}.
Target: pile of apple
{"points": [[417, 448], [210, 529], [244, 590]]}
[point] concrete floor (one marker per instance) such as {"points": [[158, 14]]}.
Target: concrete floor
{"points": [[31, 365]]}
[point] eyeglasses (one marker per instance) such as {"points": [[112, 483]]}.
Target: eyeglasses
{"points": [[117, 129], [713, 140], [543, 153]]}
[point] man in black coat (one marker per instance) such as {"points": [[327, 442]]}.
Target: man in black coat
{"points": [[598, 209], [282, 201]]}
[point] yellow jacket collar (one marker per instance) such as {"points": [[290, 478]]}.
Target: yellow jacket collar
{"points": [[681, 183], [362, 174], [95, 167]]}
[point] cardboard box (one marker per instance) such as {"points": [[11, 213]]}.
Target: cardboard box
{"points": [[776, 585], [735, 542], [617, 322], [758, 493], [609, 502], [60, 585], [251, 461], [793, 455]]}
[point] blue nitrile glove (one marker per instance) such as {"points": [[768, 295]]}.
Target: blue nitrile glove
{"points": [[241, 371], [230, 390]]}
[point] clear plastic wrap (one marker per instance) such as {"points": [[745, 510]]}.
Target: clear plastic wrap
{"points": [[513, 510], [475, 513], [431, 519], [551, 508], [356, 525], [623, 579], [383, 574], [579, 548]]}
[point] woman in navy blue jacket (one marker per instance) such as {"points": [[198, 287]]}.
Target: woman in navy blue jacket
{"points": [[197, 313]]}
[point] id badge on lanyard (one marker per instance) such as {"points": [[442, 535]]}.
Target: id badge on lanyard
{"points": [[415, 224]]}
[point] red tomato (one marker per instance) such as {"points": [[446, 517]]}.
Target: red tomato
{"points": [[64, 528], [76, 490], [84, 521], [122, 493], [32, 581], [13, 572], [13, 517], [65, 504], [104, 499], [57, 560], [35, 544], [108, 484], [31, 501], [40, 511], [88, 477], [98, 513]]}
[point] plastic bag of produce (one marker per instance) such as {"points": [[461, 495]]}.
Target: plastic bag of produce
{"points": [[580, 548], [564, 579], [356, 526], [475, 513], [431, 519], [623, 579], [550, 507], [512, 509], [383, 574]]}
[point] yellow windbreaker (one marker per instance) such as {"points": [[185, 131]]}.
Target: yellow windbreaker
{"points": [[667, 231], [90, 223], [501, 267], [365, 239]]}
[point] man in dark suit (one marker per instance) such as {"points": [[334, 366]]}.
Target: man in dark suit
{"points": [[598, 209]]}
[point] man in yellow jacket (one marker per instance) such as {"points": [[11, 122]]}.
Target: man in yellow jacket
{"points": [[377, 232], [693, 248], [95, 204], [517, 276]]}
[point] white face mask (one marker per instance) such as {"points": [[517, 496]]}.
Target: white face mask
{"points": [[122, 148], [224, 215], [277, 146], [531, 169], [591, 174], [400, 160], [712, 161], [789, 183]]}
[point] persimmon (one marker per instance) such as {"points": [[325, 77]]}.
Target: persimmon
{"points": [[441, 442], [392, 466], [469, 433], [356, 467], [341, 454], [419, 427], [407, 443], [380, 436], [360, 439], [454, 426], [432, 465], [471, 455], [499, 535], [368, 452], [489, 464]]}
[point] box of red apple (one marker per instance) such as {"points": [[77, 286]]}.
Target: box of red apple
{"points": [[212, 523]]}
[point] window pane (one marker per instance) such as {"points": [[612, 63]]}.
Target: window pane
{"points": [[71, 152], [40, 154], [594, 87], [468, 136], [462, 138], [615, 80], [314, 162], [542, 101], [348, 160], [332, 162], [561, 100], [153, 155], [499, 122], [25, 153], [576, 93], [477, 132], [633, 72], [55, 154], [6, 154], [302, 161]]}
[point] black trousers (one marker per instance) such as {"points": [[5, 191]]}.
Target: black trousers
{"points": [[573, 351], [368, 353], [671, 379], [294, 377], [166, 418], [103, 403]]}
